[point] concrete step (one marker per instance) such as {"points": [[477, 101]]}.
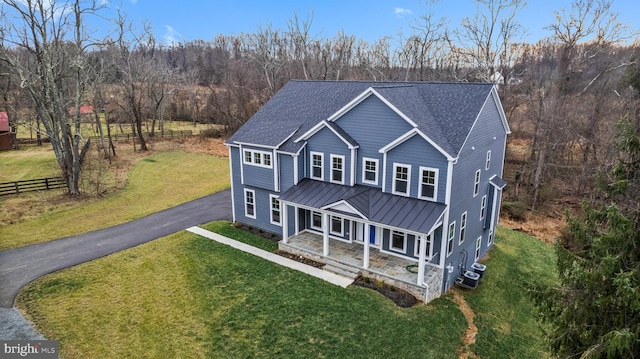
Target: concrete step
{"points": [[345, 271]]}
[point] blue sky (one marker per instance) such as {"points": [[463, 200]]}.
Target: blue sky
{"points": [[187, 20]]}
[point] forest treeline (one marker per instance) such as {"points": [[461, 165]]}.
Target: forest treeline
{"points": [[563, 96]]}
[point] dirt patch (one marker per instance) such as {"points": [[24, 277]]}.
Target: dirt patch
{"points": [[469, 337], [399, 296]]}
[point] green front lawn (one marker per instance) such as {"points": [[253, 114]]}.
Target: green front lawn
{"points": [[189, 297]]}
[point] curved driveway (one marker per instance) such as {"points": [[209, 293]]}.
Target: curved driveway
{"points": [[20, 266]]}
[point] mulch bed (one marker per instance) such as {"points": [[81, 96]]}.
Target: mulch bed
{"points": [[399, 296], [300, 259]]}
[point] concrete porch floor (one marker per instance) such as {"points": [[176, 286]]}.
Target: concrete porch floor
{"points": [[387, 267]]}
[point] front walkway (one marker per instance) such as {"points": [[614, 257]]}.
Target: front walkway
{"points": [[307, 269], [389, 268]]}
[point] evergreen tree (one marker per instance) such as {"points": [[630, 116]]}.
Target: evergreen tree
{"points": [[594, 312]]}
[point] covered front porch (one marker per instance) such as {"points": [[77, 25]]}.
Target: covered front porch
{"points": [[392, 269]]}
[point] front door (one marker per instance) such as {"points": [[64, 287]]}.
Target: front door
{"points": [[373, 236]]}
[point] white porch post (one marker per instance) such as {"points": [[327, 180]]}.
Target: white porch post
{"points": [[365, 238], [325, 234], [285, 223], [422, 259]]}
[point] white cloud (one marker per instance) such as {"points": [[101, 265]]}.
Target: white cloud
{"points": [[400, 12], [171, 36]]}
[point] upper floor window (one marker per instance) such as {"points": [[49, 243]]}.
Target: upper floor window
{"points": [[463, 227], [370, 170], [476, 183], [483, 207], [337, 169], [257, 158], [478, 246], [275, 210], [428, 183], [317, 171], [488, 163], [401, 179], [250, 203], [398, 241], [451, 235]]}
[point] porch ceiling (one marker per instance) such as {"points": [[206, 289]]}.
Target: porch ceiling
{"points": [[379, 207]]}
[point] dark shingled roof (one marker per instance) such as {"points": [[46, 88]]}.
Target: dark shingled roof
{"points": [[396, 211], [445, 112]]}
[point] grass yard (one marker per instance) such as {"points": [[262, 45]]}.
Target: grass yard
{"points": [[188, 297], [155, 183], [29, 162]]}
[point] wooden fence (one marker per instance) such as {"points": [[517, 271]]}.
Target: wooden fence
{"points": [[41, 184]]}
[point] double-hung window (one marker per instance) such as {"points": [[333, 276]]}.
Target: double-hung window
{"points": [[316, 220], [398, 241], [452, 233], [463, 226], [337, 169], [428, 183], [275, 210], [488, 163], [337, 226], [416, 249], [316, 166], [483, 207], [476, 183], [250, 203], [370, 170], [401, 179], [478, 245]]}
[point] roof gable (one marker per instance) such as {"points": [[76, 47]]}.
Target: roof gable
{"points": [[442, 112], [337, 130]]}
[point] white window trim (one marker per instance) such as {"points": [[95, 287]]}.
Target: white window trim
{"points": [[311, 154], [253, 158], [364, 170], [271, 198], [476, 183], [450, 236], [488, 161], [341, 232], [404, 241], [395, 168], [342, 158], [435, 184], [311, 224], [478, 247], [483, 208], [416, 246], [463, 227], [246, 203], [490, 241]]}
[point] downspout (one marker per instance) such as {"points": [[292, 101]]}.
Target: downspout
{"points": [[445, 222], [233, 202]]}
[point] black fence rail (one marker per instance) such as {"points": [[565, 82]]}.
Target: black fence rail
{"points": [[147, 135], [40, 184]]}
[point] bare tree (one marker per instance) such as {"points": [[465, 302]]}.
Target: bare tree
{"points": [[52, 36]]}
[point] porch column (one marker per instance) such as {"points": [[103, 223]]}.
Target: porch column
{"points": [[285, 223], [366, 240], [422, 259], [325, 234]]}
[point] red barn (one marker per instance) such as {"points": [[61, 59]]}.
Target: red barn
{"points": [[6, 142]]}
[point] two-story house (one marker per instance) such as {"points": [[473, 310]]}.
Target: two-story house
{"points": [[400, 180]]}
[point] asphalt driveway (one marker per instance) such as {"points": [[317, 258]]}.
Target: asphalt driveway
{"points": [[20, 266]]}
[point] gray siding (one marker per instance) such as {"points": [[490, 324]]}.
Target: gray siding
{"points": [[373, 125], [286, 164], [256, 176], [327, 143], [487, 134], [417, 152]]}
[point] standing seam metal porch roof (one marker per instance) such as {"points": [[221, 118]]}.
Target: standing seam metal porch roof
{"points": [[379, 207]]}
